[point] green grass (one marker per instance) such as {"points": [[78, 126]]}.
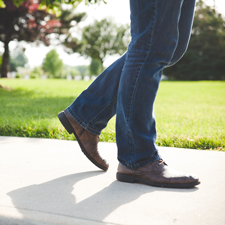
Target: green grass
{"points": [[189, 114]]}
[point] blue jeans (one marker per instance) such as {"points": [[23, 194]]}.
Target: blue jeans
{"points": [[160, 31]]}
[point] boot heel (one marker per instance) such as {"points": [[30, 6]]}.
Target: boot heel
{"points": [[125, 178], [64, 121]]}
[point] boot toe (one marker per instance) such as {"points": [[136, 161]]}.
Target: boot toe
{"points": [[193, 178], [105, 164]]}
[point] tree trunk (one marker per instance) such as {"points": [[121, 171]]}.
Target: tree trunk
{"points": [[5, 61]]}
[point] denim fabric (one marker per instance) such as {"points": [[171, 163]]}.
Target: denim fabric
{"points": [[160, 31]]}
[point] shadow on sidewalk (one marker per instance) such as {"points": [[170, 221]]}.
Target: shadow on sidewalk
{"points": [[58, 197]]}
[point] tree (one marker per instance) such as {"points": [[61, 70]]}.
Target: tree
{"points": [[83, 69], [95, 67], [74, 72], [205, 57], [102, 38], [53, 4], [36, 72], [17, 59], [52, 65], [69, 71], [68, 19], [31, 21], [27, 22]]}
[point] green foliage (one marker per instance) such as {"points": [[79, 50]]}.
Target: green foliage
{"points": [[95, 67], [36, 72], [68, 70], [68, 18], [12, 65], [205, 57], [17, 59], [27, 22], [74, 72], [56, 3], [188, 114], [18, 76], [102, 38], [83, 69], [2, 4], [53, 4], [53, 65]]}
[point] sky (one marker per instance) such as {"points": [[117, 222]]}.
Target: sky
{"points": [[118, 10]]}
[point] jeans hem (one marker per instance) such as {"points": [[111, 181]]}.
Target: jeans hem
{"points": [[141, 164], [83, 124]]}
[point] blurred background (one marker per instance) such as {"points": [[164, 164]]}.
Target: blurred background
{"points": [[50, 52], [70, 33]]}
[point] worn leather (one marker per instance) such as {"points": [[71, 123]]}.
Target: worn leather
{"points": [[160, 173], [88, 140]]}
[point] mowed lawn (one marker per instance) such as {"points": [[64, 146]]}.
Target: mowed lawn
{"points": [[189, 114]]}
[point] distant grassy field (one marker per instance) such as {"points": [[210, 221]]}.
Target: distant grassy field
{"points": [[189, 114]]}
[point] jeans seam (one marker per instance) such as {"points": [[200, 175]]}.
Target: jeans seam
{"points": [[136, 79], [104, 109], [83, 124], [169, 63], [144, 163]]}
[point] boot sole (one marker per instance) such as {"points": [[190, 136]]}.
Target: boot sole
{"points": [[130, 179], [64, 121]]}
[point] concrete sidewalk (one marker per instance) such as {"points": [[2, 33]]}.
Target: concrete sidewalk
{"points": [[48, 182]]}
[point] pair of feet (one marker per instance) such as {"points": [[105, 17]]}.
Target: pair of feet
{"points": [[157, 174]]}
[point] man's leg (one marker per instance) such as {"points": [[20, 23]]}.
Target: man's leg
{"points": [[92, 110], [155, 38], [96, 105], [185, 25]]}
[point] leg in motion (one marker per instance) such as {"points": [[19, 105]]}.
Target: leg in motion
{"points": [[92, 110], [160, 33], [155, 43]]}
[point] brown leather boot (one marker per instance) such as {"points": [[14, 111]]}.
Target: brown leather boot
{"points": [[87, 141], [157, 174]]}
